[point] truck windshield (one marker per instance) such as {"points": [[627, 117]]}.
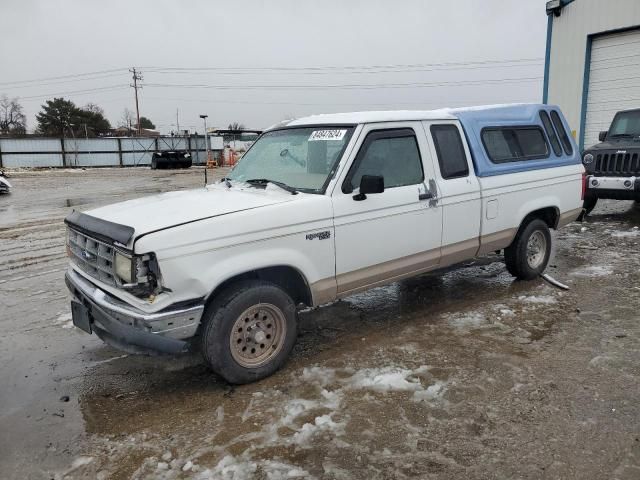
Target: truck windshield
{"points": [[625, 124], [301, 158]]}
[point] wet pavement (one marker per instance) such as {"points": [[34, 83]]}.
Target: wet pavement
{"points": [[457, 374]]}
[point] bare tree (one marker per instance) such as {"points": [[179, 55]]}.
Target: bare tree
{"points": [[127, 119], [236, 126], [12, 118], [93, 108]]}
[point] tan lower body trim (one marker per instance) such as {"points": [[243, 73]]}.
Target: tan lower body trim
{"points": [[323, 291], [568, 217], [496, 241], [345, 284], [391, 271], [459, 252]]}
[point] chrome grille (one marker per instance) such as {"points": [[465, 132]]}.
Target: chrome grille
{"points": [[617, 164], [92, 256]]}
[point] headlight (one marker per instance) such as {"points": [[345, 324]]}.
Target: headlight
{"points": [[124, 268], [587, 159]]}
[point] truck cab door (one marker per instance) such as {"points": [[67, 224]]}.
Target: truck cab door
{"points": [[382, 237], [459, 191]]}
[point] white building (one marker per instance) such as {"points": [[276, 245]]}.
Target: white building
{"points": [[592, 64]]}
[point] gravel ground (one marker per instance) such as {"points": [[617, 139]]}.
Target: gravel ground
{"points": [[457, 374]]}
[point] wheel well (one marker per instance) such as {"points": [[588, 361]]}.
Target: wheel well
{"points": [[550, 215], [287, 278]]}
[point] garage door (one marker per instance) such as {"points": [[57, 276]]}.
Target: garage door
{"points": [[614, 80]]}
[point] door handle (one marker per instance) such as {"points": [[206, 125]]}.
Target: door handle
{"points": [[425, 196]]}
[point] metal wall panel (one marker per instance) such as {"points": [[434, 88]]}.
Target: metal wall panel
{"points": [[8, 145], [172, 143], [138, 144], [96, 152], [91, 144], [614, 81], [32, 160], [93, 160], [569, 37], [199, 157], [136, 158]]}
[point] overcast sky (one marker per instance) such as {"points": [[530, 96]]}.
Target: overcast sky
{"points": [[259, 62]]}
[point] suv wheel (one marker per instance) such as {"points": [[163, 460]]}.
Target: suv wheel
{"points": [[249, 331], [528, 255]]}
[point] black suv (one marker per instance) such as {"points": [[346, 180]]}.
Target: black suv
{"points": [[613, 166]]}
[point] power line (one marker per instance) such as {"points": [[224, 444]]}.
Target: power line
{"points": [[353, 72], [72, 80], [506, 63], [75, 75], [364, 86], [75, 92], [330, 104], [347, 67]]}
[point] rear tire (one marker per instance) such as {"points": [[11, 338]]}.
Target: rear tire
{"points": [[589, 204], [249, 331], [528, 255]]}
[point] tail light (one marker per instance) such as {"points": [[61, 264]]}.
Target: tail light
{"points": [[584, 185]]}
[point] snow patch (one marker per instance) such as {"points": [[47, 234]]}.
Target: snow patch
{"points": [[81, 461], [466, 320], [384, 379], [540, 299], [231, 468], [241, 468], [599, 360], [593, 271], [634, 232], [323, 423], [431, 393], [64, 320]]}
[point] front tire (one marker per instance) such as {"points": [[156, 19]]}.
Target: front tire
{"points": [[249, 331], [527, 257]]}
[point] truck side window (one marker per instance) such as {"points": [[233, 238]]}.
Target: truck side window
{"points": [[551, 133], [451, 156], [393, 154], [514, 144], [564, 138]]}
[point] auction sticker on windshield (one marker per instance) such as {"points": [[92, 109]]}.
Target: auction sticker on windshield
{"points": [[327, 135]]}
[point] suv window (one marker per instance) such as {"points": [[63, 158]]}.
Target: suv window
{"points": [[513, 144], [393, 154], [553, 138], [451, 156], [564, 138]]}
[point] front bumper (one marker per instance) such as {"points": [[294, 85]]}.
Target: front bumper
{"points": [[130, 329], [620, 188]]}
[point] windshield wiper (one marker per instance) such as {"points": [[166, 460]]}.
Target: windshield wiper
{"points": [[226, 181], [622, 135], [264, 181]]}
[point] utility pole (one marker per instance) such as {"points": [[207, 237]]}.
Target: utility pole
{"points": [[177, 123], [136, 76]]}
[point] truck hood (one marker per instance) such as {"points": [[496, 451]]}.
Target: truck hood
{"points": [[615, 144], [158, 212]]}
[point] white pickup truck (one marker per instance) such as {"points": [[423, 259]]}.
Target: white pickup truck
{"points": [[318, 209]]}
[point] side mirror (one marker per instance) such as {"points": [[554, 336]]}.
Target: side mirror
{"points": [[369, 184], [602, 136]]}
